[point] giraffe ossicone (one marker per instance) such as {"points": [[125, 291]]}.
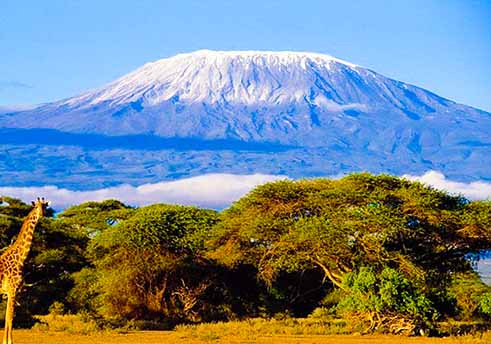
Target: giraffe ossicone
{"points": [[12, 262]]}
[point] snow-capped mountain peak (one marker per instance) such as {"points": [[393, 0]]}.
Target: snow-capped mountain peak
{"points": [[294, 98], [289, 113], [242, 77]]}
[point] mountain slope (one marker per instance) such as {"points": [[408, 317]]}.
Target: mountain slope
{"points": [[293, 98], [298, 100]]}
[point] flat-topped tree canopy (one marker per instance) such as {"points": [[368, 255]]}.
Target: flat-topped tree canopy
{"points": [[362, 219]]}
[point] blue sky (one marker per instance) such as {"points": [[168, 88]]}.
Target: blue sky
{"points": [[57, 48]]}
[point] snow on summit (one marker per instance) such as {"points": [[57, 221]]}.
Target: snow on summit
{"points": [[214, 76]]}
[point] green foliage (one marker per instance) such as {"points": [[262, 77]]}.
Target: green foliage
{"points": [[93, 218], [9, 227], [383, 223], [385, 253], [57, 251], [470, 295], [83, 296], [485, 304], [385, 293], [172, 228], [15, 207], [476, 224], [146, 268]]}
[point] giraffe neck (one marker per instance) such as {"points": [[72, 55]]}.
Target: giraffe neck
{"points": [[24, 240]]}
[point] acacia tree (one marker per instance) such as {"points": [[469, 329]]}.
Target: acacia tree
{"points": [[341, 226], [147, 267]]}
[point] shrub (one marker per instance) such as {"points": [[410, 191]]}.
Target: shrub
{"points": [[485, 304], [385, 301], [59, 322], [147, 268]]}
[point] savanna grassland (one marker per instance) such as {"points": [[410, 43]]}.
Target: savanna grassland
{"points": [[157, 337], [308, 261]]}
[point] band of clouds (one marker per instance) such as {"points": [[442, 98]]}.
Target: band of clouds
{"points": [[210, 191]]}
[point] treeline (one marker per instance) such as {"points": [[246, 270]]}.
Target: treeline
{"points": [[390, 254]]}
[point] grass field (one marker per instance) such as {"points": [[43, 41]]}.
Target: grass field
{"points": [[68, 329], [158, 337]]}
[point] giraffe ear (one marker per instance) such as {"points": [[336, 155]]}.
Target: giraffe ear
{"points": [[34, 204]]}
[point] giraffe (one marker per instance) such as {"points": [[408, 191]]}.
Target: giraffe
{"points": [[12, 261]]}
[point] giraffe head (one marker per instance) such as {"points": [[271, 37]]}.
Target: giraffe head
{"points": [[41, 204]]}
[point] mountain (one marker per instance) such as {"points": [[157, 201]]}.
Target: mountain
{"points": [[315, 114]]}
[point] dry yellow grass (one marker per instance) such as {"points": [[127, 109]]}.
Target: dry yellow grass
{"points": [[158, 337]]}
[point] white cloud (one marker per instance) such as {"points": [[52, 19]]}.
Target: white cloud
{"points": [[211, 191], [472, 190]]}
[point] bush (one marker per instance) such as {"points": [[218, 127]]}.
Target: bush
{"points": [[385, 301], [147, 268], [485, 304], [59, 322]]}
